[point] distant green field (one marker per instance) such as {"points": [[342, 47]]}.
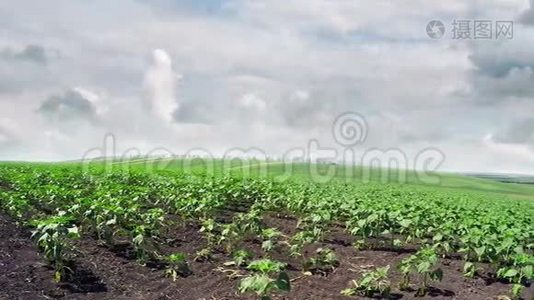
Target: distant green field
{"points": [[443, 181], [306, 171]]}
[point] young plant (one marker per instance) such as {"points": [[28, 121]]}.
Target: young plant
{"points": [[470, 269], [241, 257], [230, 237], [177, 265], [249, 223], [205, 254], [371, 284], [268, 276], [53, 237], [266, 266], [520, 271], [270, 237], [324, 262], [140, 243], [15, 206], [423, 262], [302, 238], [104, 220], [143, 233], [208, 228]]}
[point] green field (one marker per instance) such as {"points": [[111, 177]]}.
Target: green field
{"points": [[486, 225], [276, 169]]}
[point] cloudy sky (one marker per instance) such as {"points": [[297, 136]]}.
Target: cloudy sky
{"points": [[216, 74]]}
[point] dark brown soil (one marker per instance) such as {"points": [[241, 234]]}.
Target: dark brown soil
{"points": [[24, 274], [102, 272]]}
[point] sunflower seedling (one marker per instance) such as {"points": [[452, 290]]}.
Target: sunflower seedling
{"points": [[371, 284], [270, 237], [423, 262], [205, 254], [241, 257], [324, 262], [53, 238], [521, 271], [177, 265], [268, 276]]}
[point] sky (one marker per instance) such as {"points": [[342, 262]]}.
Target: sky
{"points": [[214, 76]]}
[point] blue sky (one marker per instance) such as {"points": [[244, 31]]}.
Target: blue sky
{"points": [[271, 75]]}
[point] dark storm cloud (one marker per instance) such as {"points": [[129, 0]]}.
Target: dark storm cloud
{"points": [[528, 16], [505, 71], [31, 53], [502, 72], [71, 106], [499, 68], [519, 82], [498, 60], [26, 69], [521, 132]]}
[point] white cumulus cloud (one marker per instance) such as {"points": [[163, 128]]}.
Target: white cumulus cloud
{"points": [[160, 85]]}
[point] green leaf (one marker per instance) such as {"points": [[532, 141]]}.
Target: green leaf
{"points": [[256, 283], [423, 267], [517, 289], [469, 268], [528, 270], [73, 233], [480, 251], [266, 266], [510, 273]]}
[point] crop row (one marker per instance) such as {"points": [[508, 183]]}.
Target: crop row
{"points": [[61, 203]]}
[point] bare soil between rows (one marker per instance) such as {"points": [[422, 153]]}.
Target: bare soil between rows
{"points": [[100, 272]]}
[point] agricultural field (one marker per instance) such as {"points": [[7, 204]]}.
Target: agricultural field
{"points": [[242, 232]]}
